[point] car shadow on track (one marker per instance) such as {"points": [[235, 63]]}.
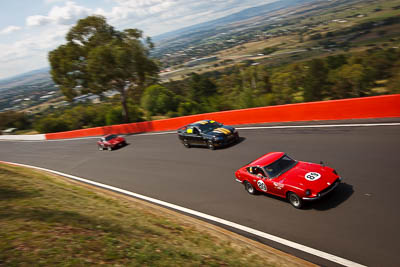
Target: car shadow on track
{"points": [[119, 147], [241, 139], [330, 201], [126, 144]]}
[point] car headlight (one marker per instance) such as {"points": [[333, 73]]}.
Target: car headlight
{"points": [[308, 192]]}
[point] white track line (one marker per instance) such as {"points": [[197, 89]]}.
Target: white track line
{"points": [[319, 126], [157, 133], [282, 241], [73, 139], [94, 137], [239, 128]]}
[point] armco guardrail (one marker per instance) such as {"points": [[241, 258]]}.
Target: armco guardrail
{"points": [[356, 108]]}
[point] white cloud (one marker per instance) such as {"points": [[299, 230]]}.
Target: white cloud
{"points": [[152, 16], [37, 20], [69, 13], [159, 16], [53, 1], [128, 9], [26, 48], [10, 29], [62, 15], [142, 3], [30, 52]]}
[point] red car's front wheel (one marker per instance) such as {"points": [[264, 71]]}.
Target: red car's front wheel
{"points": [[295, 200]]}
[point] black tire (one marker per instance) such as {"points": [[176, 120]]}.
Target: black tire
{"points": [[100, 148], [186, 143], [249, 188], [295, 200], [210, 145], [109, 148]]}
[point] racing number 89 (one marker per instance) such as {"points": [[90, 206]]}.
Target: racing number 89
{"points": [[312, 176]]}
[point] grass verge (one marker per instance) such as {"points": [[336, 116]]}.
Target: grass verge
{"points": [[48, 220]]}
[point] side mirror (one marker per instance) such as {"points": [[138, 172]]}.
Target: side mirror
{"points": [[322, 163]]}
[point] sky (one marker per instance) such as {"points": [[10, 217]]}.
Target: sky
{"points": [[29, 29]]}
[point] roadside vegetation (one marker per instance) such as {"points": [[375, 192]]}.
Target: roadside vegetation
{"points": [[367, 73], [13, 119], [47, 221]]}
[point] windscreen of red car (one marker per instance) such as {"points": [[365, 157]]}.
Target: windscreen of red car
{"points": [[108, 138], [280, 166]]}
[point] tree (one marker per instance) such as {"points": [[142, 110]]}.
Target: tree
{"points": [[97, 58], [334, 62], [281, 87], [12, 119], [246, 98], [51, 125], [229, 85], [287, 83], [393, 84], [348, 81], [158, 100], [378, 62], [200, 87], [315, 80]]}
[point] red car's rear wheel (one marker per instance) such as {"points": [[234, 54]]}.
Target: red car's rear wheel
{"points": [[249, 188]]}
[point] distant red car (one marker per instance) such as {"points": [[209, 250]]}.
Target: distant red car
{"points": [[277, 174], [110, 142]]}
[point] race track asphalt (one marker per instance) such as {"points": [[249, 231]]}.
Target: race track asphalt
{"points": [[359, 221]]}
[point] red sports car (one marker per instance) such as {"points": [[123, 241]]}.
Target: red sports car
{"points": [[277, 174], [110, 142]]}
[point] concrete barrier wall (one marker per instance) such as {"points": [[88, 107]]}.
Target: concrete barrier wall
{"points": [[355, 108], [24, 137]]}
